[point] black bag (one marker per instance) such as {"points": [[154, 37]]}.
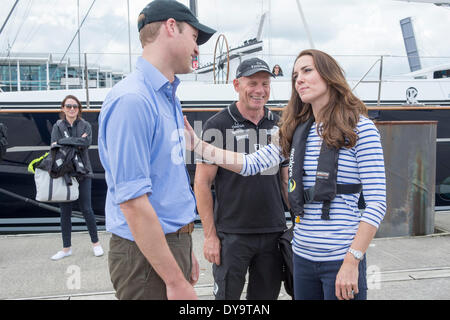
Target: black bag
{"points": [[3, 140], [284, 243]]}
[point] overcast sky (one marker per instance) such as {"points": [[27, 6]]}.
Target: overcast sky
{"points": [[339, 27]]}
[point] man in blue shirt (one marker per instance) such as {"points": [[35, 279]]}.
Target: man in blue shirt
{"points": [[150, 205]]}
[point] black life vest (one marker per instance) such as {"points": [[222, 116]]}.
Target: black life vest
{"points": [[3, 140], [64, 129], [326, 186]]}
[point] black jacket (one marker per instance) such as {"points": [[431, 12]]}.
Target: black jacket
{"points": [[66, 135]]}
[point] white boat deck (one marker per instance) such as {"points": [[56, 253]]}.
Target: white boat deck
{"points": [[401, 268]]}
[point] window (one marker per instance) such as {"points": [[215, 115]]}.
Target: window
{"points": [[441, 74], [8, 77]]}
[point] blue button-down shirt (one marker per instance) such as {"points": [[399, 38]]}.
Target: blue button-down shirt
{"points": [[142, 148]]}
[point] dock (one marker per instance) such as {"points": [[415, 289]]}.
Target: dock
{"points": [[401, 268]]}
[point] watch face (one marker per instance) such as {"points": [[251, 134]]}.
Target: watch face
{"points": [[357, 254]]}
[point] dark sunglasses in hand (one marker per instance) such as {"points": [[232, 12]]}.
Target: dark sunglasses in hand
{"points": [[70, 106]]}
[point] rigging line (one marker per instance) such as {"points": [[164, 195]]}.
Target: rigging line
{"points": [[25, 17], [9, 15], [73, 39], [112, 37], [35, 29]]}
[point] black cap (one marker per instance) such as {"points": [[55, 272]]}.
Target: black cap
{"points": [[252, 66], [161, 10]]}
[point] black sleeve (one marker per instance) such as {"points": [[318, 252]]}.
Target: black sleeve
{"points": [[79, 141], [55, 134], [88, 139]]}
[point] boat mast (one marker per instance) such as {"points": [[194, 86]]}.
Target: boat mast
{"points": [[311, 43], [9, 46], [73, 39], [78, 31], [129, 35], [193, 7]]}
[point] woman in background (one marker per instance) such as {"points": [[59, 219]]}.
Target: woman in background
{"points": [[72, 125], [277, 71]]}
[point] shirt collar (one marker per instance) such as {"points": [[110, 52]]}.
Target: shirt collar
{"points": [[153, 76], [237, 116], [68, 123]]}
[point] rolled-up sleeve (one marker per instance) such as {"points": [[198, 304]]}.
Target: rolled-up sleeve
{"points": [[129, 130], [265, 158]]}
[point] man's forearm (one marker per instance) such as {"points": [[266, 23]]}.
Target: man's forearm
{"points": [[205, 207], [205, 203]]}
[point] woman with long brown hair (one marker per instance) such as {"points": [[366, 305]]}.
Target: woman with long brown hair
{"points": [[326, 134]]}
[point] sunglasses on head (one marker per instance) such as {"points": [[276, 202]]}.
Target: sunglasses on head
{"points": [[70, 106]]}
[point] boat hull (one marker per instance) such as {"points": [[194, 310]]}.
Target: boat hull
{"points": [[29, 137]]}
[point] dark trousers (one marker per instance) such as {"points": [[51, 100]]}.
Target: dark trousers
{"points": [[84, 202], [256, 253], [134, 278], [316, 280]]}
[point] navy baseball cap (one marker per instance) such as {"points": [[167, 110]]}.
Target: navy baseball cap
{"points": [[251, 66], [161, 10]]}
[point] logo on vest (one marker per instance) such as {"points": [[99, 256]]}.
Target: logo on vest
{"points": [[292, 185], [322, 175], [237, 125], [291, 162]]}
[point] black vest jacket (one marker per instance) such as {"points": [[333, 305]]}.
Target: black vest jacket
{"points": [[3, 140], [65, 137], [326, 187], [68, 158]]}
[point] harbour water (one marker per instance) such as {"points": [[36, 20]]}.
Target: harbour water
{"points": [[401, 268]]}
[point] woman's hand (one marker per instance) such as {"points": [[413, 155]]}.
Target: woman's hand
{"points": [[189, 135], [347, 279]]}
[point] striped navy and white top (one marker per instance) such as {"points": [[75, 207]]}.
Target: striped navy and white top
{"points": [[327, 240]]}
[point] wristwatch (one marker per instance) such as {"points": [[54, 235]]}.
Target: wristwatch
{"points": [[356, 253]]}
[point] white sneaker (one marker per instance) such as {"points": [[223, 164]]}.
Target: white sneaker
{"points": [[98, 251], [61, 254]]}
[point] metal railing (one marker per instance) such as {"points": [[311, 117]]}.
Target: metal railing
{"points": [[379, 81]]}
